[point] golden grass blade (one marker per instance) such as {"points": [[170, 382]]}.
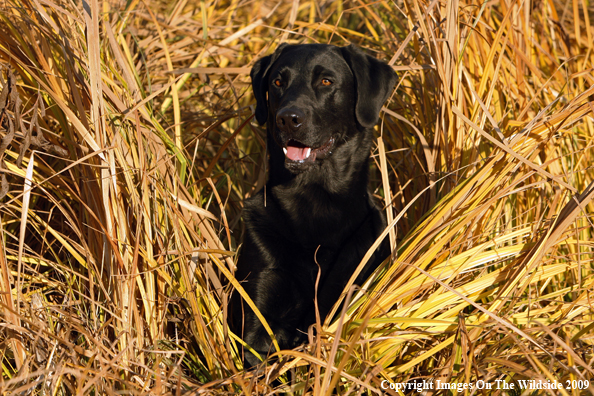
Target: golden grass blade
{"points": [[27, 187], [193, 208], [174, 94], [387, 191]]}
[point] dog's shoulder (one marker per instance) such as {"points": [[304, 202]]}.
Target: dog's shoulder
{"points": [[260, 207], [264, 220]]}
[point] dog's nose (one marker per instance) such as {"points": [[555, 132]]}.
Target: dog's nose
{"points": [[290, 119]]}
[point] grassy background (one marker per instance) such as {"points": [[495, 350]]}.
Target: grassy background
{"points": [[128, 145]]}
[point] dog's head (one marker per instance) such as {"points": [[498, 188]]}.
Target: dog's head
{"points": [[315, 97]]}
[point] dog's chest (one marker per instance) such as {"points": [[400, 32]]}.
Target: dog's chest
{"points": [[316, 218]]}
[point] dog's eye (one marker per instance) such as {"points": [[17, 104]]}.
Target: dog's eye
{"points": [[326, 82], [278, 82]]}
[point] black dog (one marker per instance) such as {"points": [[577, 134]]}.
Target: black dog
{"points": [[322, 104]]}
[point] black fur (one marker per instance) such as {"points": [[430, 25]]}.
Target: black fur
{"points": [[328, 100]]}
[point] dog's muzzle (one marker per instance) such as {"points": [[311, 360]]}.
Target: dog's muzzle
{"points": [[299, 157]]}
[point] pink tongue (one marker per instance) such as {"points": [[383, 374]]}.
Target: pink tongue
{"points": [[296, 153]]}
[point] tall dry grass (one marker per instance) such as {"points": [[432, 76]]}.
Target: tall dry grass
{"points": [[128, 146]]}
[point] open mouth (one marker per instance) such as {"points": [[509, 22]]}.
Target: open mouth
{"points": [[298, 152]]}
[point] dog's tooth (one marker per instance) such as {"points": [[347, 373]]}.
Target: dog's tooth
{"points": [[308, 152], [285, 150]]}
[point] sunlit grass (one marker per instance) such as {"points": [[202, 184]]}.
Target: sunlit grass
{"points": [[128, 147]]}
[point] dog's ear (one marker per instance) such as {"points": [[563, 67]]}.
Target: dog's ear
{"points": [[374, 82], [259, 75]]}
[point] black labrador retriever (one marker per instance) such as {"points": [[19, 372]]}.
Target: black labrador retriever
{"points": [[320, 104]]}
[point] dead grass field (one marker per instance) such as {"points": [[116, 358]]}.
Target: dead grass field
{"points": [[128, 145]]}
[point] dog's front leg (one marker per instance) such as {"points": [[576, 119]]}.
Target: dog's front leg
{"points": [[280, 299]]}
